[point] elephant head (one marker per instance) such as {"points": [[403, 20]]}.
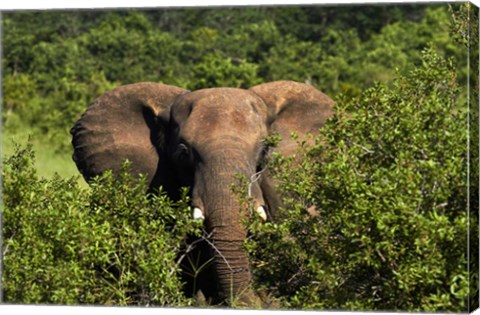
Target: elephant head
{"points": [[201, 140]]}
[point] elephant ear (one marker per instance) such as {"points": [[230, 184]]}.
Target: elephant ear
{"points": [[128, 122], [293, 107]]}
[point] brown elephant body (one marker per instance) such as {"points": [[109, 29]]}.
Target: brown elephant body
{"points": [[201, 139]]}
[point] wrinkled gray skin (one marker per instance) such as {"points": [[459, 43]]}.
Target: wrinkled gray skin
{"points": [[201, 139]]}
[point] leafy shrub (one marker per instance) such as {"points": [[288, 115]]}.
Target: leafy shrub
{"points": [[18, 92], [388, 183], [217, 70], [111, 244]]}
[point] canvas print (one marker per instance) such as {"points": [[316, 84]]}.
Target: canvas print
{"points": [[295, 157]]}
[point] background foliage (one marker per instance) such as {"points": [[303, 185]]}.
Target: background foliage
{"points": [[387, 175]]}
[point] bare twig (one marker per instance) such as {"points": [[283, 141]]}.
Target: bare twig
{"points": [[204, 237], [254, 178], [5, 251], [189, 248], [364, 148], [380, 255], [218, 251]]}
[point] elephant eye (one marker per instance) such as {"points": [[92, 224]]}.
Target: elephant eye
{"points": [[182, 154], [263, 154]]}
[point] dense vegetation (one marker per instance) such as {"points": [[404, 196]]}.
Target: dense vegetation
{"points": [[388, 174], [111, 244]]}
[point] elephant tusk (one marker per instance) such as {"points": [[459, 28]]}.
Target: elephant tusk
{"points": [[198, 214], [261, 212]]}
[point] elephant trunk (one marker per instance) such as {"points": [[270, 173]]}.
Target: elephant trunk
{"points": [[223, 215], [233, 273]]}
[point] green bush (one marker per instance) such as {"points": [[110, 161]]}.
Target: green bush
{"points": [[388, 179], [218, 70], [109, 244]]}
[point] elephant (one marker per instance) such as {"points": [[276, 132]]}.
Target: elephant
{"points": [[201, 139]]}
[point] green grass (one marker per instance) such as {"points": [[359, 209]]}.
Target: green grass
{"points": [[49, 160]]}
